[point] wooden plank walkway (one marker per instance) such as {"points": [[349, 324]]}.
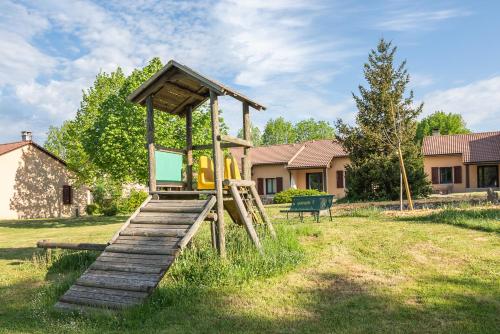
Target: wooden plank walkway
{"points": [[139, 255]]}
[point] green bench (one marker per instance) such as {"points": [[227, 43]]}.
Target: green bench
{"points": [[313, 204]]}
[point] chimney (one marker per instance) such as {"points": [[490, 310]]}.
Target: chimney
{"points": [[26, 135], [435, 132]]}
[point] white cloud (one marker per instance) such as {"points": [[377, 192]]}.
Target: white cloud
{"points": [[478, 102], [411, 19]]}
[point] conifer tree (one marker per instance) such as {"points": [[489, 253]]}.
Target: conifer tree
{"points": [[386, 119]]}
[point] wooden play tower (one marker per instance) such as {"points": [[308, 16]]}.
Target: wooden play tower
{"points": [[136, 258]]}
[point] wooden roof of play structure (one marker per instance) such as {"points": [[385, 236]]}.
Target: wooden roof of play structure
{"points": [[176, 87]]}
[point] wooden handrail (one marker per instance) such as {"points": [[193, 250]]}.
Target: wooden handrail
{"points": [[235, 140]]}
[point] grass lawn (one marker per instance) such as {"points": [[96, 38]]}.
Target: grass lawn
{"points": [[367, 271]]}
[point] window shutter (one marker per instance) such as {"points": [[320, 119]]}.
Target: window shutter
{"points": [[67, 194], [260, 186], [457, 174], [435, 175], [279, 184], [340, 179]]}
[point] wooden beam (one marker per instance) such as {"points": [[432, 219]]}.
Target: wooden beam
{"points": [[235, 140], [196, 225], [189, 148], [218, 165], [209, 146], [238, 183], [176, 88], [150, 138], [245, 217], [66, 245], [262, 211], [247, 135], [169, 149]]}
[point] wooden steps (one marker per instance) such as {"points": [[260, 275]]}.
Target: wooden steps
{"points": [[135, 261]]}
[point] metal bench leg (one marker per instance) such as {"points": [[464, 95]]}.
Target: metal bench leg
{"points": [[317, 217], [287, 217], [301, 215], [330, 210]]}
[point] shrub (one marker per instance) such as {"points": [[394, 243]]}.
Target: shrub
{"points": [[287, 195], [91, 209], [131, 203], [110, 210]]}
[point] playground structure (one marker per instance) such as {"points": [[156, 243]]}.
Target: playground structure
{"points": [[139, 254]]}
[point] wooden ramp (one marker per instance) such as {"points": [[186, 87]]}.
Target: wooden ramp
{"points": [[139, 254]]}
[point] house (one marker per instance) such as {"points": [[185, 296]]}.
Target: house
{"points": [[35, 183], [462, 163], [317, 164]]}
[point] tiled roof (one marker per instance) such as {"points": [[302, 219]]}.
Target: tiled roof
{"points": [[474, 147], [316, 153], [5, 148]]}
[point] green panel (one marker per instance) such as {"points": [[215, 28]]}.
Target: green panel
{"points": [[168, 166]]}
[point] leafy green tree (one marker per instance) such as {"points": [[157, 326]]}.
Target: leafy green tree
{"points": [[386, 119], [279, 131], [255, 134], [446, 123], [310, 129], [106, 140]]}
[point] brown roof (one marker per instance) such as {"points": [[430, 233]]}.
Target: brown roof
{"points": [[311, 154], [317, 153], [5, 148], [474, 147], [8, 147]]}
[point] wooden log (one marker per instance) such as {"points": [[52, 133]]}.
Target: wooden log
{"points": [[69, 307], [120, 241], [154, 277], [150, 136], [218, 166], [121, 284], [111, 292], [189, 148], [161, 227], [124, 267], [209, 146], [153, 232], [164, 263], [163, 220], [247, 135], [174, 202], [134, 256], [196, 225], [116, 248], [262, 211], [184, 192], [168, 216], [127, 223], [147, 239], [79, 295], [238, 183], [94, 302], [246, 218], [234, 140], [183, 209], [74, 246]]}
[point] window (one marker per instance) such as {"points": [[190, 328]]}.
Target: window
{"points": [[340, 179], [67, 194], [314, 181], [271, 186], [445, 175], [487, 176]]}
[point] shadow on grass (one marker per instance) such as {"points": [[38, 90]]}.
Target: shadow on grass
{"points": [[62, 222], [487, 220], [334, 304]]}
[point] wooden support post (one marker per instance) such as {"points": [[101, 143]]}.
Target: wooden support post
{"points": [[405, 179], [189, 148], [218, 165], [245, 162], [245, 217], [150, 138], [262, 211]]}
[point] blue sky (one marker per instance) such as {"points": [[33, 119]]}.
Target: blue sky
{"points": [[300, 58]]}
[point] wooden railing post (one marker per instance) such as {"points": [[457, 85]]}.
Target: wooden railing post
{"points": [[189, 148], [246, 164], [218, 166], [150, 138]]}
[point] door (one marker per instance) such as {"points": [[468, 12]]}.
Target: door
{"points": [[487, 176]]}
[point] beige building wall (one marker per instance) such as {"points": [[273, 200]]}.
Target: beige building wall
{"points": [[447, 161], [271, 171], [31, 186], [338, 164]]}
